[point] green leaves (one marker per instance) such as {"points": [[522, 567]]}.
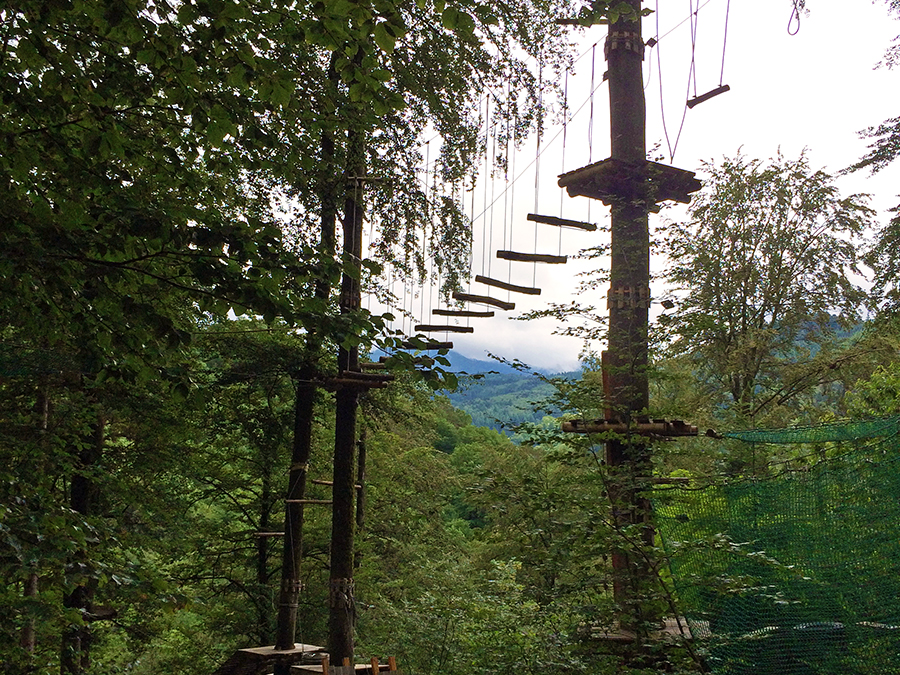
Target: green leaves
{"points": [[768, 265]]}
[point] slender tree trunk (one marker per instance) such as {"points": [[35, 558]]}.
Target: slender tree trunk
{"points": [[76, 639], [28, 639], [264, 596]]}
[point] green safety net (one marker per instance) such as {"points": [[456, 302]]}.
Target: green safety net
{"points": [[797, 573]]}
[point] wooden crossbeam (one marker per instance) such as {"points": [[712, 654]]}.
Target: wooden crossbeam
{"points": [[307, 501], [316, 481], [644, 427], [562, 222], [484, 300], [462, 312], [432, 328], [532, 257], [527, 290]]}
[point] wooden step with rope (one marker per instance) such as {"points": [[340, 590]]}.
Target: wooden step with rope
{"points": [[353, 379], [561, 222], [526, 290], [434, 328], [532, 257], [484, 300], [426, 345], [462, 313]]}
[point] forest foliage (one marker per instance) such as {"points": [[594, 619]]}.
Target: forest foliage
{"points": [[168, 175]]}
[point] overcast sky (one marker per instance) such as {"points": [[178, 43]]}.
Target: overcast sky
{"points": [[812, 90]]}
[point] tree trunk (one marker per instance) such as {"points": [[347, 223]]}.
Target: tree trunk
{"points": [[76, 638], [304, 406], [342, 607]]}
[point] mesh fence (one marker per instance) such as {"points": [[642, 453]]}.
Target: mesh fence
{"points": [[797, 574]]}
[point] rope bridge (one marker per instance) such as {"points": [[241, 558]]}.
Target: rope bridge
{"points": [[797, 573]]}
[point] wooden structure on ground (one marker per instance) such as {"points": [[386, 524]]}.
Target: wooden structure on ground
{"points": [[263, 660]]}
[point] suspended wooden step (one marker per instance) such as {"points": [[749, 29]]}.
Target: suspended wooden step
{"points": [[463, 312], [431, 328], [351, 379], [484, 300], [532, 257], [708, 95], [426, 345], [308, 501], [562, 222], [506, 286], [419, 360]]}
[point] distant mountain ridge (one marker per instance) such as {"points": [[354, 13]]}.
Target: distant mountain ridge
{"points": [[501, 398]]}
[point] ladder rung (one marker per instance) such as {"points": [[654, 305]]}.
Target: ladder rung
{"points": [[484, 300], [430, 328], [507, 286], [315, 481], [462, 312], [561, 222], [532, 257]]}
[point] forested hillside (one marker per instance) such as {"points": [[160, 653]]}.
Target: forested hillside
{"points": [[502, 397]]}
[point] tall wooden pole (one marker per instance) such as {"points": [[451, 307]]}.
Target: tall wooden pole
{"points": [[342, 606], [628, 307]]}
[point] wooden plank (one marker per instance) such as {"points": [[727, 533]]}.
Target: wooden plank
{"points": [[666, 428], [431, 328], [462, 312], [562, 222], [532, 257], [427, 345], [484, 300], [315, 481], [307, 501], [268, 534], [527, 290], [366, 377], [708, 95]]}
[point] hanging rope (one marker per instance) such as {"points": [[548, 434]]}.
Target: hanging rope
{"points": [[795, 14], [672, 147], [565, 108], [537, 158], [724, 43]]}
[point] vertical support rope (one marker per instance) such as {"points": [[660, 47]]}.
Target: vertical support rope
{"points": [[487, 138], [565, 107], [724, 43], [692, 74], [537, 159]]}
